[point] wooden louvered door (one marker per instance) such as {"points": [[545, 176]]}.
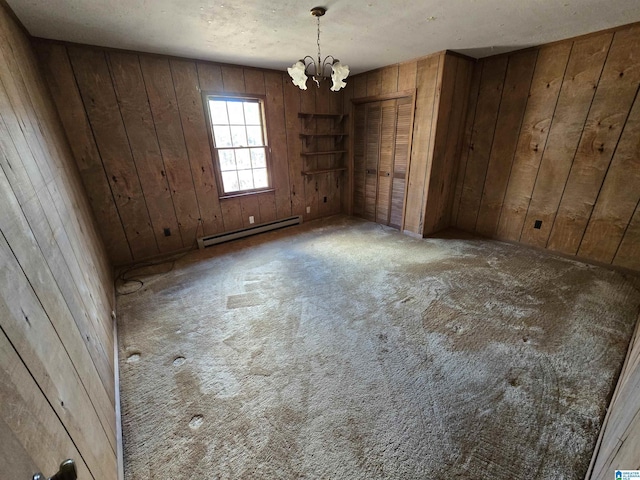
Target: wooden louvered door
{"points": [[382, 132], [371, 160]]}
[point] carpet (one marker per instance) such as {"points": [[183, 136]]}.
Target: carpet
{"points": [[343, 349]]}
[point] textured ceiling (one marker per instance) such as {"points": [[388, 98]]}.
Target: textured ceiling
{"points": [[364, 34]]}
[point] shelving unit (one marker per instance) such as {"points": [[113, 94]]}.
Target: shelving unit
{"points": [[310, 139]]}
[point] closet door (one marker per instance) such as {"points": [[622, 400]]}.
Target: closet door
{"points": [[386, 160], [372, 157], [359, 152], [382, 132], [403, 129]]}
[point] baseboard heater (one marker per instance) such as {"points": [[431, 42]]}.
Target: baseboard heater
{"points": [[210, 240]]}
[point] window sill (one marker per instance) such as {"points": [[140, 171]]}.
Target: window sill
{"points": [[246, 194]]}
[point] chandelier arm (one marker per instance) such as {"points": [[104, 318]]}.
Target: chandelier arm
{"points": [[327, 64]]}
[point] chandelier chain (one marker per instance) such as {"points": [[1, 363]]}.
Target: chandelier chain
{"points": [[318, 20]]}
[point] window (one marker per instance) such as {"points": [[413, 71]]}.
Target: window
{"points": [[240, 143]]}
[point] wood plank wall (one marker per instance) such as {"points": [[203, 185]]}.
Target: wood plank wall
{"points": [[137, 127], [441, 82], [56, 287], [552, 136]]}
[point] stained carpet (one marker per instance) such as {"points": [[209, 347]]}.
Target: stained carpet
{"points": [[342, 349]]}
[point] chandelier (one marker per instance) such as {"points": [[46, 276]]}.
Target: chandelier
{"points": [[319, 69]]}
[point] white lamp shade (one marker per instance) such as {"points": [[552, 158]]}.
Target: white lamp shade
{"points": [[298, 75], [338, 73]]}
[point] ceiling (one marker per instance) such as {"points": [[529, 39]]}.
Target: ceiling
{"points": [[365, 34]]}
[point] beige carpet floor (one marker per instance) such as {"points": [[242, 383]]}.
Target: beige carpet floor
{"points": [[341, 349]]}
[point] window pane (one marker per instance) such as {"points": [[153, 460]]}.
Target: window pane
{"points": [[254, 136], [227, 160], [243, 158], [246, 179], [239, 136], [260, 179], [222, 136], [236, 113], [230, 181], [258, 158], [218, 112], [252, 113]]}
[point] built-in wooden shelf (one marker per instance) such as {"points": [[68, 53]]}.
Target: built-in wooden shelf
{"points": [[337, 117], [306, 135], [324, 170], [328, 152], [310, 137]]}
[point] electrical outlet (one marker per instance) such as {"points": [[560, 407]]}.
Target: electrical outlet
{"points": [[308, 209], [251, 219]]}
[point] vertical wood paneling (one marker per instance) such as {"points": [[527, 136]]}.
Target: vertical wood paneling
{"points": [[493, 75], [467, 137], [279, 151], [543, 96], [610, 108], [61, 80], [618, 197], [192, 115], [164, 107], [407, 75], [575, 166], [56, 287], [292, 127], [96, 89], [311, 187], [210, 77], [138, 122], [628, 254], [346, 200], [454, 147], [426, 100], [160, 126], [389, 82], [374, 83], [40, 436], [360, 86], [441, 119], [254, 81], [585, 65], [512, 108]]}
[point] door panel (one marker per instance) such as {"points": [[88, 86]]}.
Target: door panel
{"points": [[382, 131], [385, 163], [359, 151], [401, 160], [371, 159]]}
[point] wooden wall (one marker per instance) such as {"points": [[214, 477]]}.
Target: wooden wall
{"points": [[441, 83], [56, 289], [137, 127], [553, 135]]}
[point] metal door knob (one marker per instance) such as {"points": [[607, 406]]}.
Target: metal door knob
{"points": [[67, 472]]}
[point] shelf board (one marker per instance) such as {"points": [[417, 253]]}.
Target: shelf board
{"points": [[325, 170], [307, 135], [322, 115], [329, 152]]}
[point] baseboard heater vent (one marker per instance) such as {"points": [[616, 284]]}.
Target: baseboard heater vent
{"points": [[210, 240]]}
